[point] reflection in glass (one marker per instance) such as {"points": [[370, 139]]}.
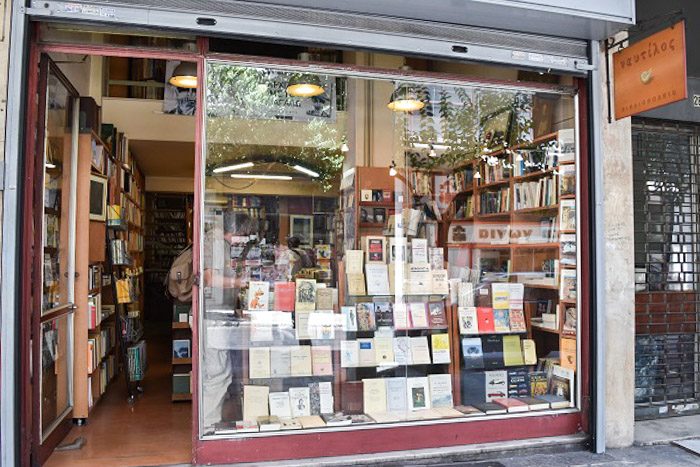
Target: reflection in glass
{"points": [[404, 264], [55, 370]]}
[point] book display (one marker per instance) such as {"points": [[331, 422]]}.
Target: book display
{"points": [[438, 289]]}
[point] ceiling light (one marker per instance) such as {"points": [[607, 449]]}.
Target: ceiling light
{"points": [[301, 169], [392, 169], [437, 147], [344, 147], [50, 165], [262, 176], [184, 75], [405, 99], [304, 85], [477, 175], [231, 168]]}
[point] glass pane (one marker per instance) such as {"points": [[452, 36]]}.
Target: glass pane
{"points": [[413, 261], [55, 370], [57, 169]]}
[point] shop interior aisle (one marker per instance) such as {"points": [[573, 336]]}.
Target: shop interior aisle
{"points": [[153, 431]]}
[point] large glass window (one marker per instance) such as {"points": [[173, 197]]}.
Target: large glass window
{"points": [[380, 251]]}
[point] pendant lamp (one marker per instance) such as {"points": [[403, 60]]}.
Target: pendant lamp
{"points": [[405, 99], [184, 75], [304, 85]]}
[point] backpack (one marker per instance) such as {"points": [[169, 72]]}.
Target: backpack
{"points": [[180, 278]]}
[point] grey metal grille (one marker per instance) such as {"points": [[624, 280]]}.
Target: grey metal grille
{"points": [[667, 262], [353, 21]]}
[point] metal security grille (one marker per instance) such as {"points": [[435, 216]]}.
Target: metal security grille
{"points": [[667, 263]]}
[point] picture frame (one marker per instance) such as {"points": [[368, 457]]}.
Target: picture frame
{"points": [[98, 198], [302, 226], [181, 348]]}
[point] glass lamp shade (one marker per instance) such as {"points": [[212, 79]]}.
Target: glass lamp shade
{"points": [[184, 75], [304, 85], [405, 99]]}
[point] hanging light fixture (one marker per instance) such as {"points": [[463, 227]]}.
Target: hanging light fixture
{"points": [[304, 85], [392, 169], [405, 99], [231, 168], [184, 75]]}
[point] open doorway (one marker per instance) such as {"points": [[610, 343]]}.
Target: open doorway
{"points": [[117, 187]]}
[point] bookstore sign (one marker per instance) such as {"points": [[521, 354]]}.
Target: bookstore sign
{"points": [[651, 73]]}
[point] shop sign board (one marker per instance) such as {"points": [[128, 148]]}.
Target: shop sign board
{"points": [[651, 73]]}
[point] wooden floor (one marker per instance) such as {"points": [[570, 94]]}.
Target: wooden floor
{"points": [[153, 431]]}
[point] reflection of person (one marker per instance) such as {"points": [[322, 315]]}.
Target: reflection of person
{"points": [[299, 258], [222, 367]]}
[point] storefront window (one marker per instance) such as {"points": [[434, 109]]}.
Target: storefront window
{"points": [[381, 251]]}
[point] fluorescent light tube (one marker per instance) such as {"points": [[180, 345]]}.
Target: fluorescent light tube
{"points": [[231, 168], [262, 177], [310, 172]]}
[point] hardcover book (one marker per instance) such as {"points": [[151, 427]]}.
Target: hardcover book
{"points": [[468, 322], [567, 215], [374, 395], [436, 315], [284, 296], [418, 393], [418, 315], [310, 421], [440, 390], [555, 401], [518, 382], [351, 393], [535, 403], [484, 317], [489, 408], [501, 321], [384, 315], [305, 295], [473, 353], [366, 319], [258, 295], [300, 402], [441, 348], [469, 410], [511, 404]]}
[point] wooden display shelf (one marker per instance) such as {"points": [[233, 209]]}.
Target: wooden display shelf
{"points": [[540, 286], [540, 327], [527, 144], [371, 225], [182, 361], [498, 183], [181, 397], [460, 221], [178, 325], [567, 196], [551, 207], [379, 204], [531, 175], [493, 215]]}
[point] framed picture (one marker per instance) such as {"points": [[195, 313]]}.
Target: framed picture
{"points": [[98, 198], [98, 157], [302, 227], [181, 348]]}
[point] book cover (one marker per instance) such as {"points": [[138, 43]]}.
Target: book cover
{"points": [[356, 284], [567, 249], [484, 317], [468, 322], [567, 353], [555, 401], [374, 395], [384, 314], [321, 358], [501, 321], [511, 404], [492, 346], [324, 298], [375, 249], [402, 350], [366, 352], [529, 352], [496, 384], [300, 402], [420, 279], [349, 354], [259, 362], [465, 297], [258, 295], [398, 250], [534, 403], [418, 393], [377, 279], [441, 348], [538, 383], [354, 261], [440, 284], [301, 324], [400, 315], [567, 179], [473, 353], [337, 419], [469, 410], [284, 296], [350, 318], [567, 287], [436, 315], [311, 421], [489, 408], [512, 353], [300, 360], [305, 295], [440, 390], [326, 396], [437, 258], [279, 404], [351, 394], [420, 352], [396, 395], [366, 319], [419, 250], [418, 315], [384, 350], [518, 382], [517, 320], [567, 215], [501, 295], [473, 387], [255, 402], [314, 398], [561, 383]]}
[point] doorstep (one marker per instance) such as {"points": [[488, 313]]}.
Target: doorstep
{"points": [[472, 452], [666, 430]]}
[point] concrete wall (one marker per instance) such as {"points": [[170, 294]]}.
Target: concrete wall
{"points": [[617, 252]]}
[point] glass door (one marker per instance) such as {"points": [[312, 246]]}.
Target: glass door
{"points": [[54, 266]]}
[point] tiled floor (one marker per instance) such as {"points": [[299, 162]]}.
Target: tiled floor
{"points": [[153, 431]]}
